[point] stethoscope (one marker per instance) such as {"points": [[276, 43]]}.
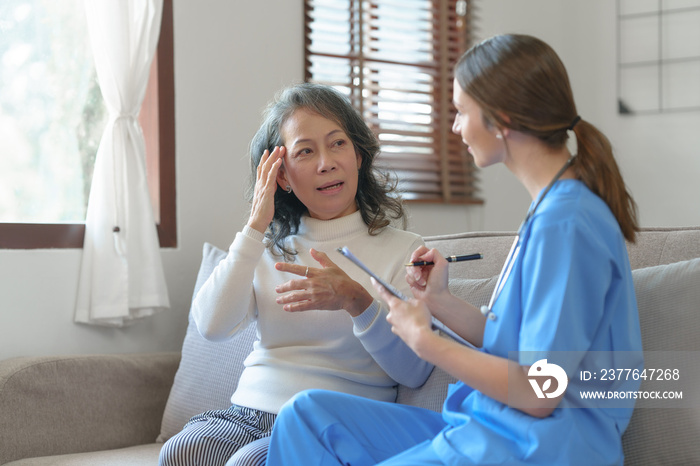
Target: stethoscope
{"points": [[515, 248]]}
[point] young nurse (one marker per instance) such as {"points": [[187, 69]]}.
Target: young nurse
{"points": [[564, 302]]}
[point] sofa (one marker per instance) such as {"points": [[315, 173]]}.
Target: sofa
{"points": [[118, 409]]}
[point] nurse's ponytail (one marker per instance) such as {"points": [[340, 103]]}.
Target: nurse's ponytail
{"points": [[595, 165]]}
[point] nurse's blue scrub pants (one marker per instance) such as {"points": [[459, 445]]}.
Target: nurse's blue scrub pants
{"points": [[319, 427]]}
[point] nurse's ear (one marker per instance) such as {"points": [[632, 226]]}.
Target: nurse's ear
{"points": [[498, 125], [502, 133]]}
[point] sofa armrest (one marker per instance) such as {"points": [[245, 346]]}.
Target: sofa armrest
{"points": [[71, 404]]}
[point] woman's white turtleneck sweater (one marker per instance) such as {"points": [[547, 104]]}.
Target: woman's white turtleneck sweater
{"points": [[311, 349]]}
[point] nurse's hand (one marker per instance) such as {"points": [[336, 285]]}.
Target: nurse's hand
{"points": [[410, 320], [428, 283], [326, 288]]}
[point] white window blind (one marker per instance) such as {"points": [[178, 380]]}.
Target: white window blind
{"points": [[394, 59]]}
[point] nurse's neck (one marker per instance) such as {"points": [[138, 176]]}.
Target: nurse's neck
{"points": [[535, 164]]}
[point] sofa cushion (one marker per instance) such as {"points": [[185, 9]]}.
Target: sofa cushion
{"points": [[668, 297], [132, 456], [209, 371]]}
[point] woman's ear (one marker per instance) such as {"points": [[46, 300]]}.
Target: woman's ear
{"points": [[282, 181]]}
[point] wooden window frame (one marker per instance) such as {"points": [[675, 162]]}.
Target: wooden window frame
{"points": [[448, 175], [159, 131]]}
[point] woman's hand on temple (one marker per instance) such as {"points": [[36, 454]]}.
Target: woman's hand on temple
{"points": [[326, 288], [263, 208]]}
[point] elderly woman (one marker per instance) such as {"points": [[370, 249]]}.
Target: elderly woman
{"points": [[315, 190]]}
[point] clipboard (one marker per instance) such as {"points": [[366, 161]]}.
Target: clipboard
{"points": [[436, 324]]}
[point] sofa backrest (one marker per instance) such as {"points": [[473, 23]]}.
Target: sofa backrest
{"points": [[56, 405], [654, 246]]}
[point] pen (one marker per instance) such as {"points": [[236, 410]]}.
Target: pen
{"points": [[468, 257]]}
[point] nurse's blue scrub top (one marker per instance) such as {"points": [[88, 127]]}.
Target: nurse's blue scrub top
{"points": [[569, 298]]}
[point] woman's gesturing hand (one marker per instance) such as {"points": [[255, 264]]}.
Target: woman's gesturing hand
{"points": [[263, 208], [326, 288]]}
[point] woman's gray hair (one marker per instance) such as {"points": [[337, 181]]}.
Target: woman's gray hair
{"points": [[376, 195]]}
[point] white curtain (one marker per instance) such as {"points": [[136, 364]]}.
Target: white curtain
{"points": [[121, 277]]}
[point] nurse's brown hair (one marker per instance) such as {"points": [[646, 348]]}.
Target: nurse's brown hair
{"points": [[521, 78]]}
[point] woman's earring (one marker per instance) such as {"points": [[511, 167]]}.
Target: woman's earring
{"points": [[499, 136], [288, 189]]}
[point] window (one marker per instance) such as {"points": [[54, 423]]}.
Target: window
{"points": [[658, 67], [46, 208], [394, 59]]}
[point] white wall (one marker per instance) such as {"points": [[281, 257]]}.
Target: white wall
{"points": [[659, 155], [230, 58]]}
